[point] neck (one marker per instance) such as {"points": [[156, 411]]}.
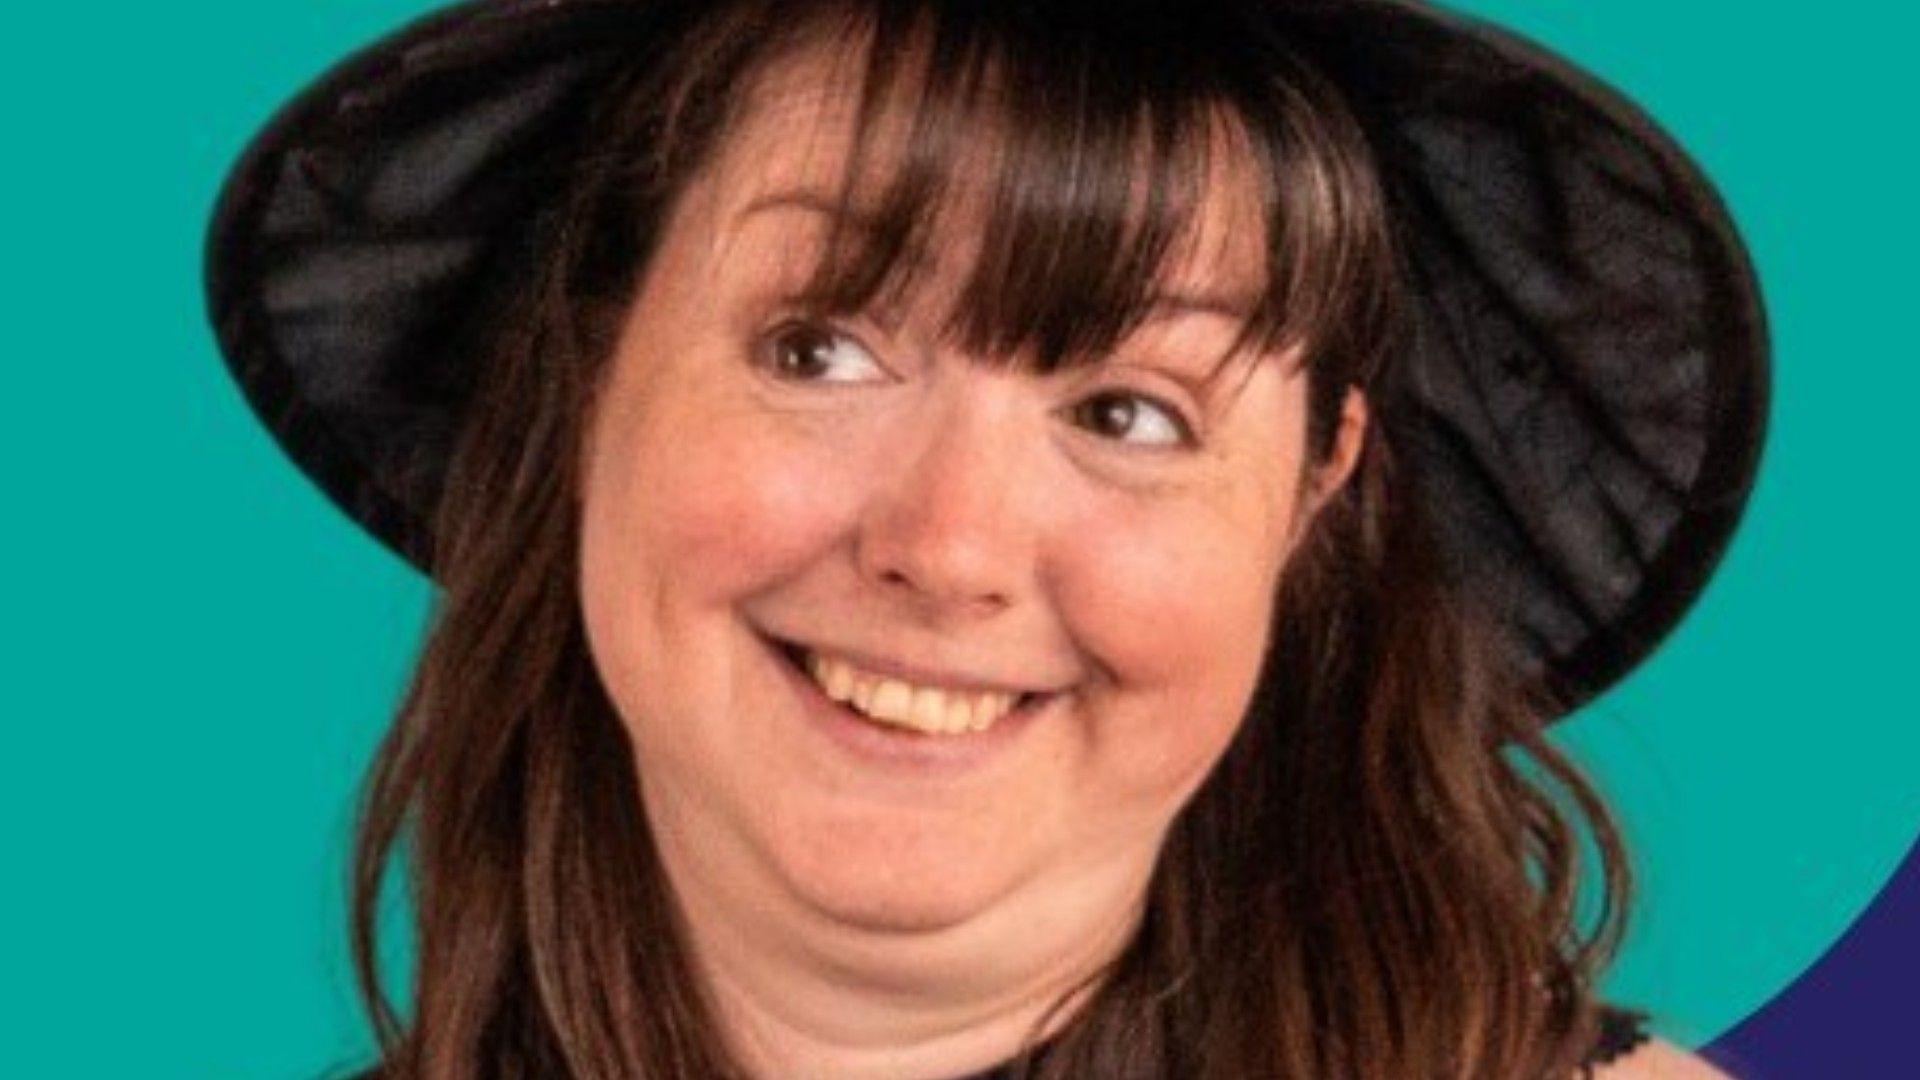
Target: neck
{"points": [[799, 993]]}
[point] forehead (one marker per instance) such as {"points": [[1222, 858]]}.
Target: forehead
{"points": [[778, 174]]}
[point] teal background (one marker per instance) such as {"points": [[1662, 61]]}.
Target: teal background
{"points": [[200, 653]]}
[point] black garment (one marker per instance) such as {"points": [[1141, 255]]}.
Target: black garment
{"points": [[1620, 1031]]}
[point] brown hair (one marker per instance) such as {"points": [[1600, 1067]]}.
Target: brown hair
{"points": [[1380, 876]]}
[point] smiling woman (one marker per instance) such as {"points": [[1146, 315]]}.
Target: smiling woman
{"points": [[873, 495], [1028, 538]]}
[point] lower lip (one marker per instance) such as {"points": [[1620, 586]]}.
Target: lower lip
{"points": [[903, 748]]}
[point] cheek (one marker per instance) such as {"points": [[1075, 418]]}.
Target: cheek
{"points": [[1178, 613], [687, 514], [702, 507]]}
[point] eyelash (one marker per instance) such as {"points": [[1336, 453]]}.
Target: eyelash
{"points": [[772, 354]]}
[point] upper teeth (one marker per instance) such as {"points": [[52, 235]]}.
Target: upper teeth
{"points": [[923, 708]]}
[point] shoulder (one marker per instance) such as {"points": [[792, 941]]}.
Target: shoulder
{"points": [[1657, 1059]]}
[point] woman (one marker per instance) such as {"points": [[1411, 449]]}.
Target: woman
{"points": [[963, 549]]}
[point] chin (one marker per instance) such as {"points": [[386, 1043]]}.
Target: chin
{"points": [[926, 890], [905, 914]]}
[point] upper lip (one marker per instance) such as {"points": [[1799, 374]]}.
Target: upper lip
{"points": [[921, 675]]}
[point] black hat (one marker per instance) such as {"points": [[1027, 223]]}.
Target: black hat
{"points": [[1585, 386]]}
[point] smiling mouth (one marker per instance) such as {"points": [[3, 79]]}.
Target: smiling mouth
{"points": [[900, 705]]}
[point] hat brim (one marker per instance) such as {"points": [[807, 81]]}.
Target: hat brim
{"points": [[1586, 393]]}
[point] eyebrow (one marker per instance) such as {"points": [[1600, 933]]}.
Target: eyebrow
{"points": [[1237, 307]]}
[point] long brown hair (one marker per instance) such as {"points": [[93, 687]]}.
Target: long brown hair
{"points": [[1382, 876]]}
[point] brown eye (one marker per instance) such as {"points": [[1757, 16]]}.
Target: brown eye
{"points": [[808, 352], [1129, 417]]}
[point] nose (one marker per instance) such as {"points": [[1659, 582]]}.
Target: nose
{"points": [[944, 531]]}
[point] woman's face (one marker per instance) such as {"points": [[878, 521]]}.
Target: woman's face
{"points": [[863, 490]]}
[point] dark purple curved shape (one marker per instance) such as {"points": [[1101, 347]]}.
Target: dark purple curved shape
{"points": [[1855, 1014]]}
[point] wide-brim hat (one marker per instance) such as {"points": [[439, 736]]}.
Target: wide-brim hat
{"points": [[1586, 384]]}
